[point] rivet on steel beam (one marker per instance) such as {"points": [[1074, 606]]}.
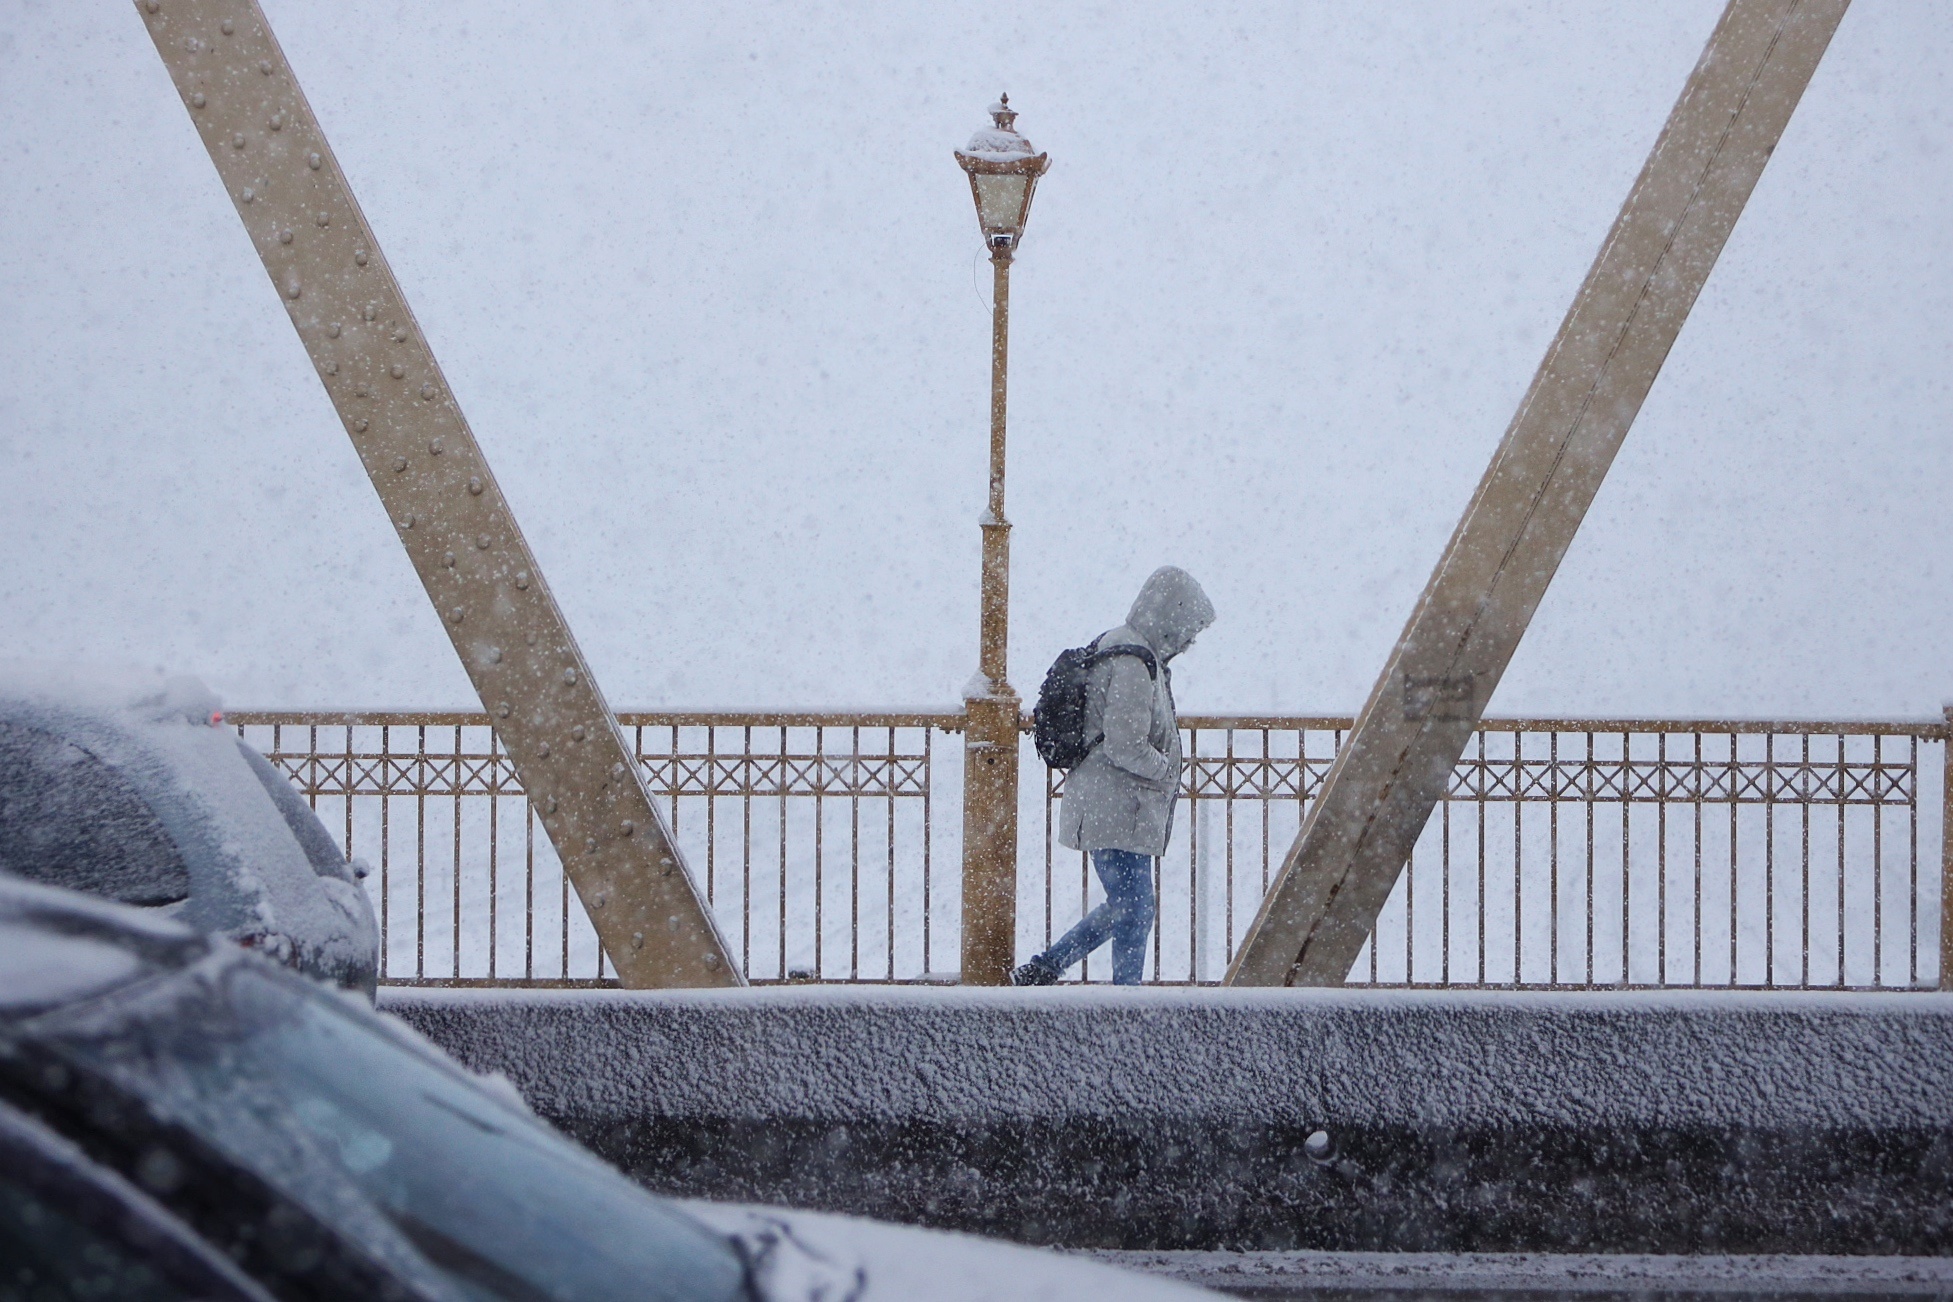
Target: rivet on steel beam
{"points": [[332, 368], [314, 162], [590, 847], [153, 6], [627, 827], [637, 940], [495, 655], [409, 521], [323, 219], [543, 750], [360, 424], [454, 616], [370, 312], [264, 66], [617, 770], [576, 733], [448, 560], [197, 100], [569, 677], [399, 464], [396, 370], [667, 864], [711, 959], [436, 448], [237, 141], [502, 710], [481, 541], [549, 805], [360, 258], [426, 392], [672, 924], [474, 486], [332, 331], [192, 44], [277, 122], [522, 581], [361, 392], [292, 289], [530, 637], [284, 237], [399, 335], [600, 900], [247, 194], [225, 27]]}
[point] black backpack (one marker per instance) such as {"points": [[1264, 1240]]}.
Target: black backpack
{"points": [[1060, 713]]}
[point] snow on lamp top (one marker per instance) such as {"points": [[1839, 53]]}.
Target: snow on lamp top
{"points": [[1000, 143]]}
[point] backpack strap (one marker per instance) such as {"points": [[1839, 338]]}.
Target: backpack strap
{"points": [[1094, 655], [1143, 654]]}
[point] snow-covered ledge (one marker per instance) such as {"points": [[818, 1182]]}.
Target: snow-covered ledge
{"points": [[1155, 1118]]}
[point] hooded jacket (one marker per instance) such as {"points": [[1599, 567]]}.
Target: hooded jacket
{"points": [[1120, 797]]}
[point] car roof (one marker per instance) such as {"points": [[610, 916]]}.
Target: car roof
{"points": [[247, 869], [132, 695]]}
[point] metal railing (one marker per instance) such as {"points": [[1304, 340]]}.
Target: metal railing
{"points": [[1567, 854], [1581, 854], [813, 836]]}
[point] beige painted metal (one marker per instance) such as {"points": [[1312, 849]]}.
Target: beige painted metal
{"points": [[990, 743], [457, 528], [1585, 395]]}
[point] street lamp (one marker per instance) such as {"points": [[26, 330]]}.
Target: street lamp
{"points": [[1004, 172]]}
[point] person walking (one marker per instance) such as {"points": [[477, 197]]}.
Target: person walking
{"points": [[1119, 798]]}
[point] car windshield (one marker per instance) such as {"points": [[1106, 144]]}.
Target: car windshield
{"points": [[316, 1095]]}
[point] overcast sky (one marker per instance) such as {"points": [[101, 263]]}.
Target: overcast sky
{"points": [[705, 280]]}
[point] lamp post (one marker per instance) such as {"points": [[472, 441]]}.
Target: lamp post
{"points": [[1003, 171]]}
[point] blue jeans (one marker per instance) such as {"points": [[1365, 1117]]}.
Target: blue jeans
{"points": [[1125, 918]]}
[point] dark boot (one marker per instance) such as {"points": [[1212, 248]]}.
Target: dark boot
{"points": [[1035, 973]]}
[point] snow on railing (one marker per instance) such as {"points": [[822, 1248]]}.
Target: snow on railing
{"points": [[1569, 854]]}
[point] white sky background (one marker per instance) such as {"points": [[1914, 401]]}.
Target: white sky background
{"points": [[708, 286]]}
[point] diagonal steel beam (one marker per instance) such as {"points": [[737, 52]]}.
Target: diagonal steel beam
{"points": [[1394, 766], [435, 484]]}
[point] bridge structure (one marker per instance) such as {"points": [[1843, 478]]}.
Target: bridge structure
{"points": [[1735, 877], [556, 740]]}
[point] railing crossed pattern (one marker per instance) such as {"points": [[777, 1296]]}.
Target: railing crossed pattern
{"points": [[808, 766]]}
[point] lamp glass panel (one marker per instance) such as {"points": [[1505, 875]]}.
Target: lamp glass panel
{"points": [[1000, 200]]}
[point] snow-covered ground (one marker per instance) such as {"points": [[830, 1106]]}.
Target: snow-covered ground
{"points": [[705, 281]]}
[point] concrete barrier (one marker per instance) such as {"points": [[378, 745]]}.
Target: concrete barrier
{"points": [[1402, 1121]]}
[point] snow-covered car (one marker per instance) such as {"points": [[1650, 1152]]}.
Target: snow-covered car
{"points": [[130, 787], [181, 1118]]}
